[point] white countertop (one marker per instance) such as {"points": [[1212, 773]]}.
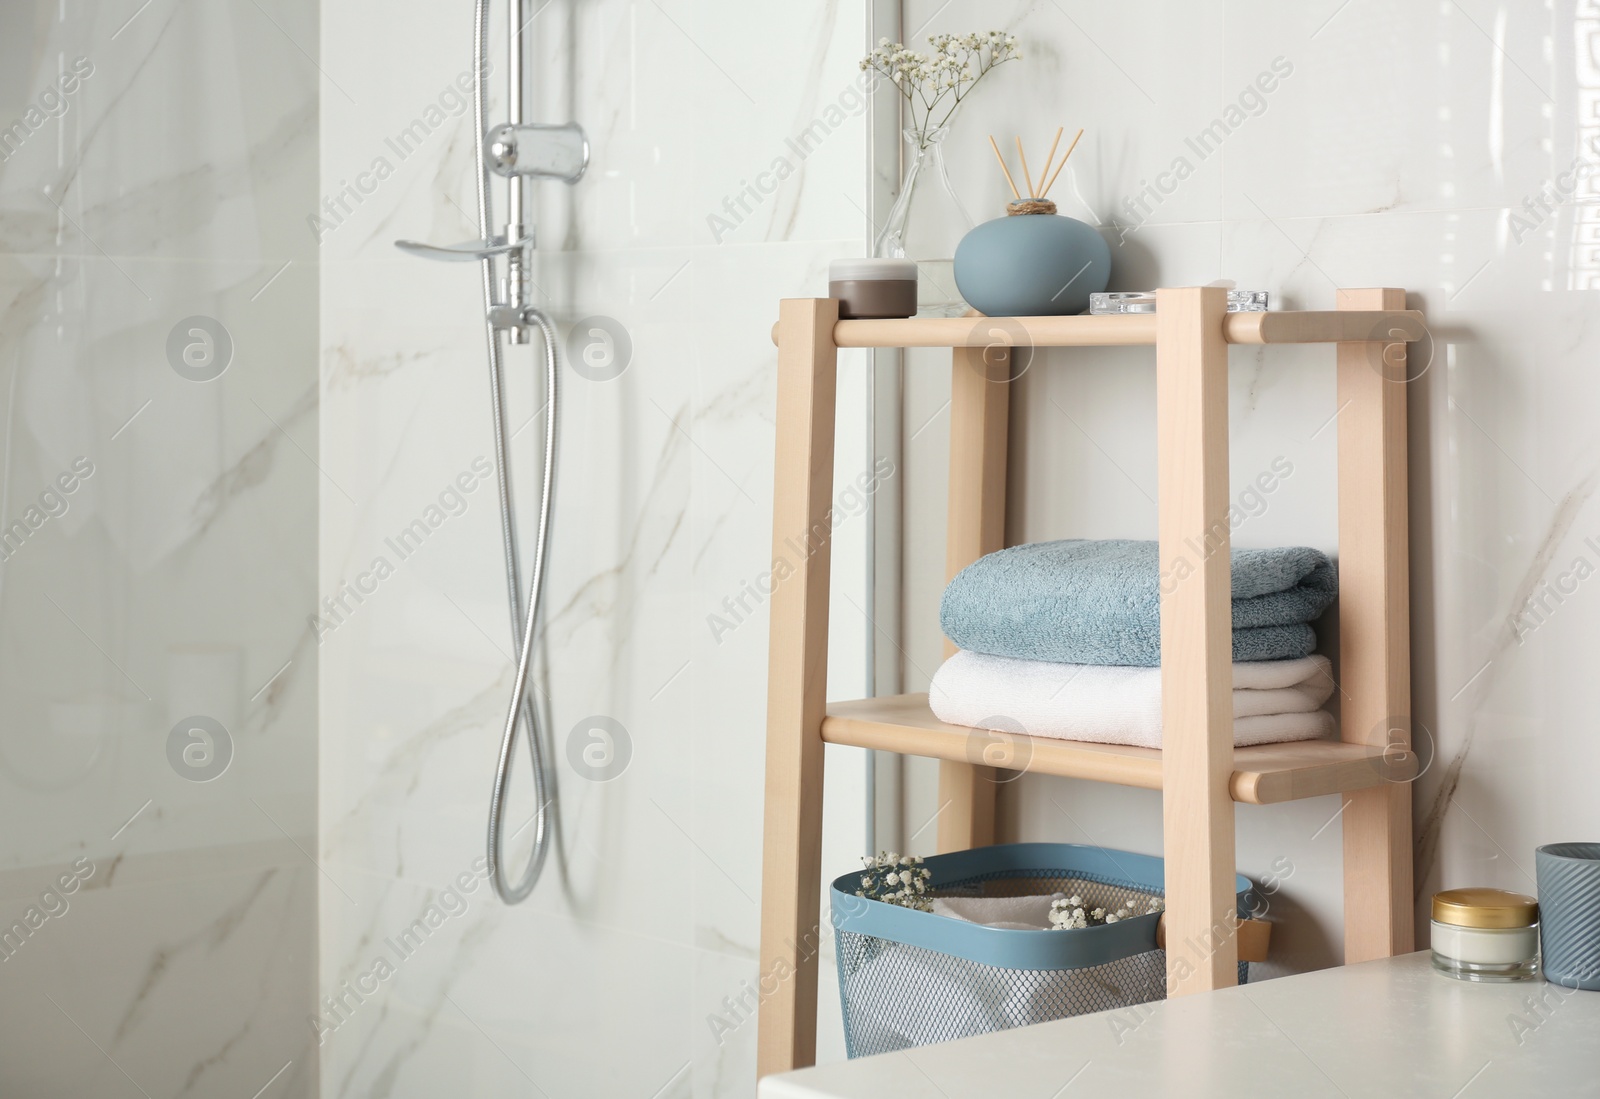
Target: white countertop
{"points": [[1385, 1028]]}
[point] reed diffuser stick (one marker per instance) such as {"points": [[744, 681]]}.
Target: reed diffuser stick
{"points": [[995, 146], [1022, 156], [1063, 163], [1047, 160]]}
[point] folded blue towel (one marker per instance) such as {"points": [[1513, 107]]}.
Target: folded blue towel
{"points": [[1099, 602]]}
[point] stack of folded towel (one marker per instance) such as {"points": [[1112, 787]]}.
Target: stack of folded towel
{"points": [[1063, 639]]}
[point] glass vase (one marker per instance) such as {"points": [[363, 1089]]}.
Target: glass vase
{"points": [[926, 223]]}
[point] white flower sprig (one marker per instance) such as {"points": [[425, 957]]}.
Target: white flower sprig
{"points": [[934, 85], [1069, 913], [897, 879]]}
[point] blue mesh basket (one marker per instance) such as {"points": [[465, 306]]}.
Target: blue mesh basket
{"points": [[909, 978]]}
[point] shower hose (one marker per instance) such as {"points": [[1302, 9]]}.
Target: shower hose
{"points": [[524, 626]]}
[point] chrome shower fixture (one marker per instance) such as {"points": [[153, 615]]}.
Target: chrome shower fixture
{"points": [[539, 151], [517, 152]]}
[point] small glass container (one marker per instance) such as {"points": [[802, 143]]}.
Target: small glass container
{"points": [[1144, 301], [1485, 935], [873, 288]]}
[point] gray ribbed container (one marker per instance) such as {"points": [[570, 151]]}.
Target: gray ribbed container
{"points": [[1569, 913]]}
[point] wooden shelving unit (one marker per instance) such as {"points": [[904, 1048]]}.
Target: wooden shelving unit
{"points": [[1200, 773]]}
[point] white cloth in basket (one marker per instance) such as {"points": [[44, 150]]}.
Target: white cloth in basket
{"points": [[1013, 913]]}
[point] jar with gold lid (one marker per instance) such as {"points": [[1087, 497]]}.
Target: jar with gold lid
{"points": [[1485, 935]]}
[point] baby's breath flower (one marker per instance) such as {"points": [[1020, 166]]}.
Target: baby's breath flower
{"points": [[886, 881], [1070, 913], [935, 84]]}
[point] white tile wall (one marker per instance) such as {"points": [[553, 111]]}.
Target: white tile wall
{"points": [[1395, 153]]}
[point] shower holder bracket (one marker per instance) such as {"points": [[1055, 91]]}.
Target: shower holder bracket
{"points": [[511, 318], [538, 150]]}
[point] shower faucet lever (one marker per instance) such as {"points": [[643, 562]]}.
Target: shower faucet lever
{"points": [[513, 314], [470, 251]]}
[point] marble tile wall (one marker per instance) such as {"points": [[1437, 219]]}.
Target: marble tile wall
{"points": [[1427, 146], [158, 489], [251, 164], [612, 978]]}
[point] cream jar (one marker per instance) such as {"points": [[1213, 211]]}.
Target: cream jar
{"points": [[1485, 935], [873, 288]]}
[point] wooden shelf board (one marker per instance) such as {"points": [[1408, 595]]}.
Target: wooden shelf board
{"points": [[1120, 330], [1262, 775]]}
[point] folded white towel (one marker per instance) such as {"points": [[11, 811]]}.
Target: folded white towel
{"points": [[1273, 700]]}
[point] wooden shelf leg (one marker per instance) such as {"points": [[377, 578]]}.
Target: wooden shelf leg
{"points": [[980, 402], [791, 900], [1374, 632], [1196, 638]]}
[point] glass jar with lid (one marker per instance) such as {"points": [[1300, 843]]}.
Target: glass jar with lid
{"points": [[1485, 934]]}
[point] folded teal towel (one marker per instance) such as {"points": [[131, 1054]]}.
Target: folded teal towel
{"points": [[1098, 602]]}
